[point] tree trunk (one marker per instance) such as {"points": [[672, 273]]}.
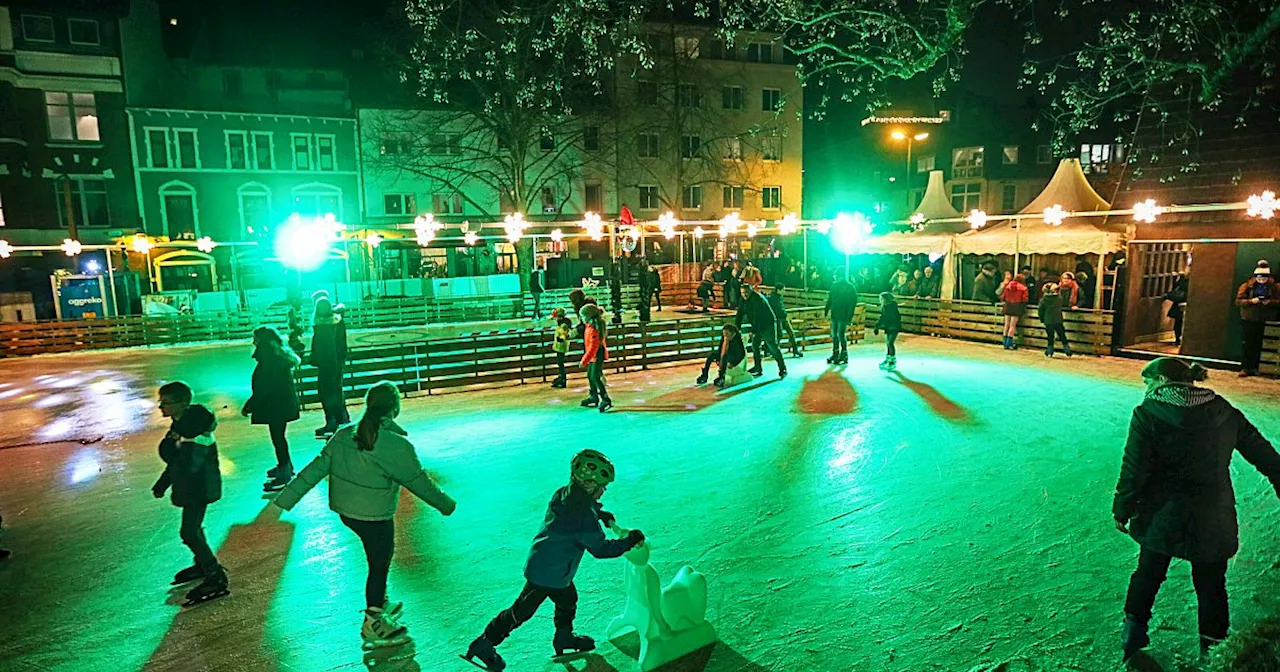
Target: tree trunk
{"points": [[524, 260]]}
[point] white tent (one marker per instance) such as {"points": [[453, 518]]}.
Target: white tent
{"points": [[932, 239], [1030, 234]]}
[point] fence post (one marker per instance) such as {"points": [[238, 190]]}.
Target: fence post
{"points": [[644, 346]]}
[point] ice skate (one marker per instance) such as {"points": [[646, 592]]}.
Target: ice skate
{"points": [[571, 647], [382, 629], [782, 372], [488, 655], [702, 379], [606, 404], [277, 483], [192, 573], [558, 384], [325, 432], [843, 358], [756, 371], [1133, 637], [835, 357], [213, 587], [271, 473], [590, 402], [892, 364], [719, 382], [884, 366]]}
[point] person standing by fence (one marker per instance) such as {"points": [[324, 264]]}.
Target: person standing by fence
{"points": [[329, 356], [595, 352], [1177, 298], [780, 312], [1259, 302], [707, 288], [984, 285], [274, 401], [1051, 316], [560, 345], [538, 285], [644, 279], [842, 303], [1014, 297]]}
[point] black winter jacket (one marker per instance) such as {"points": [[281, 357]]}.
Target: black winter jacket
{"points": [[890, 318], [842, 301], [1175, 483], [755, 309], [274, 399], [329, 342], [190, 454]]}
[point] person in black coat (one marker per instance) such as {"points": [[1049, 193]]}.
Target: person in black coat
{"points": [[1174, 495], [644, 279], [329, 355], [192, 477], [842, 303], [755, 309], [1177, 298], [274, 401], [728, 353], [891, 323], [780, 311], [538, 285]]}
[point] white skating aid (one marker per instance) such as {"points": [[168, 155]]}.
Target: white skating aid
{"points": [[671, 621]]}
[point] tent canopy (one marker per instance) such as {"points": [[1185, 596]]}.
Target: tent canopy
{"points": [[934, 237]]}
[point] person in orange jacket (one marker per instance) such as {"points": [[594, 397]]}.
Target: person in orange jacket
{"points": [[595, 352]]}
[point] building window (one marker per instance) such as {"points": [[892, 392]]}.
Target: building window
{"points": [[546, 142], [1098, 158], [301, 150], [771, 198], [1044, 155], [158, 147], [647, 92], [396, 143], [442, 144], [690, 96], [690, 145], [732, 149], [264, 155], [186, 148], [88, 202], [178, 211], [687, 47], [733, 197], [399, 204], [647, 145], [83, 32], [317, 200], [925, 165], [1008, 198], [232, 83], [691, 197], [771, 148], [36, 28], [771, 100], [326, 154], [966, 196], [648, 197], [72, 116], [1010, 155], [446, 204], [549, 200], [759, 53], [237, 150], [733, 97], [1162, 263], [255, 211], [591, 138], [594, 198], [966, 162]]}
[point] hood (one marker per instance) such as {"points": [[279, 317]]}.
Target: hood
{"points": [[1182, 404]]}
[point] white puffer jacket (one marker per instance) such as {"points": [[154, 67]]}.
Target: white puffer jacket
{"points": [[365, 484]]}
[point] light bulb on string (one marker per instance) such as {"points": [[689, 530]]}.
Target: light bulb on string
{"points": [[373, 240], [667, 224], [823, 226]]}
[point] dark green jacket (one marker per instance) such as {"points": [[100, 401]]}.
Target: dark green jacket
{"points": [[1051, 309]]}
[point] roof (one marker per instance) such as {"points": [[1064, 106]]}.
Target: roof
{"points": [[1068, 189]]}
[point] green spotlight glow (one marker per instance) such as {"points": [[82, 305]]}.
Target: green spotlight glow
{"points": [[303, 243], [848, 231]]}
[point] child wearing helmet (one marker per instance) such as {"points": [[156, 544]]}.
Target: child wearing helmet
{"points": [[573, 524]]}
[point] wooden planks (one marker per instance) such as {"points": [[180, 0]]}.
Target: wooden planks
{"points": [[1271, 350]]}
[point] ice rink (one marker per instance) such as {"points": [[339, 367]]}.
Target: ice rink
{"points": [[952, 516]]}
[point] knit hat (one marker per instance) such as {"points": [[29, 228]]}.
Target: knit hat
{"points": [[1263, 268]]}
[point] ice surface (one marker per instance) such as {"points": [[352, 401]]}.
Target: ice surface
{"points": [[955, 516]]}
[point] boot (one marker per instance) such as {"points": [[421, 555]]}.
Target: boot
{"points": [[590, 402], [1133, 637], [702, 378], [568, 642], [484, 650], [605, 404], [834, 358], [719, 381]]}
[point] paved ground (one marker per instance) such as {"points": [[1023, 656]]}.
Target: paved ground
{"points": [[952, 517]]}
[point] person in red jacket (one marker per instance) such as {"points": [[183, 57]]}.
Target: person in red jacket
{"points": [[595, 352], [1014, 297]]}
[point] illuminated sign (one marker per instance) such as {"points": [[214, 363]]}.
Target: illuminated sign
{"points": [[943, 117]]}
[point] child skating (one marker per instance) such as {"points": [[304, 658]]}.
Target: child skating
{"points": [[595, 352], [190, 454], [573, 524], [891, 323], [560, 345], [368, 463]]}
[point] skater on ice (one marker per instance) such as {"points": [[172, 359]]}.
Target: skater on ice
{"points": [[329, 356], [274, 401], [1174, 495], [1014, 296], [890, 323], [191, 476], [728, 353], [595, 352], [1051, 315], [560, 346], [367, 463], [784, 322], [842, 303], [572, 526], [755, 309]]}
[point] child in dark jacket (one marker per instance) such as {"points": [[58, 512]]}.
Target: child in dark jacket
{"points": [[572, 525], [190, 454], [728, 353], [1051, 315], [891, 323], [560, 345]]}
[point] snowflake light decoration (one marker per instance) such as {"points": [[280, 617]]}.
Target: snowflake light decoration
{"points": [[917, 221], [752, 229], [425, 228], [206, 244], [1263, 206], [593, 225], [514, 226], [373, 240], [5, 249], [1147, 211], [823, 227], [730, 224], [977, 219], [667, 224], [71, 247], [470, 238], [141, 243], [1054, 215], [788, 225], [699, 232], [557, 236]]}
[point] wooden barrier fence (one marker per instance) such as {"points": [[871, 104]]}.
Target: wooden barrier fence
{"points": [[1271, 350], [524, 355]]}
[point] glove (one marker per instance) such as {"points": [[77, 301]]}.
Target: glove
{"points": [[635, 538], [876, 331], [607, 519], [158, 492]]}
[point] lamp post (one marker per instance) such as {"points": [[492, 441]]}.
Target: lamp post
{"points": [[911, 140]]}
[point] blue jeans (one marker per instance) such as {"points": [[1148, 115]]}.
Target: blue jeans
{"points": [[839, 337]]}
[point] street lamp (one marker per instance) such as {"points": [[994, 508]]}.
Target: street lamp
{"points": [[911, 140]]}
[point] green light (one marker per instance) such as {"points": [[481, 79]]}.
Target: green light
{"points": [[303, 244], [848, 231]]}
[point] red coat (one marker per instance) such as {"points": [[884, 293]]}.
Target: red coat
{"points": [[1014, 292], [592, 343]]}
